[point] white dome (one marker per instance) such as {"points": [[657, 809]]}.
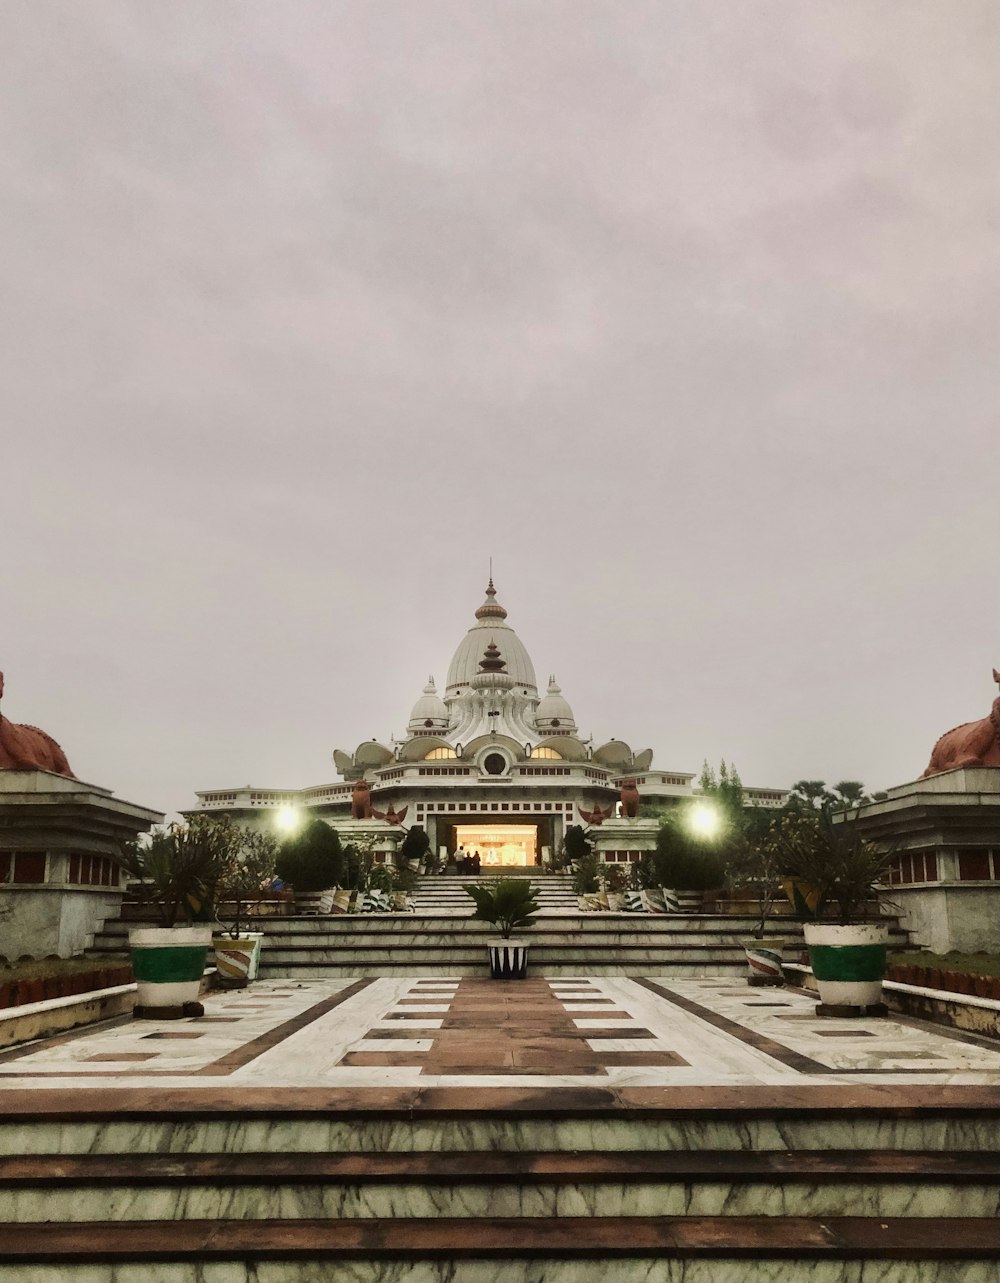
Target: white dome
{"points": [[429, 712], [554, 713], [490, 626]]}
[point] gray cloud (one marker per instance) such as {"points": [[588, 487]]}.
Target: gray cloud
{"points": [[684, 312]]}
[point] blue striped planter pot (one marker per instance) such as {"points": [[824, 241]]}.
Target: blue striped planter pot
{"points": [[508, 959], [169, 963], [848, 962]]}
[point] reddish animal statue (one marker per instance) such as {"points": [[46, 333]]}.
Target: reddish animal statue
{"points": [[361, 801], [971, 744], [597, 817], [630, 800], [27, 748]]}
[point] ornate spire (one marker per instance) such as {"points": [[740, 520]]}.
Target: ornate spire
{"points": [[491, 608], [492, 661]]}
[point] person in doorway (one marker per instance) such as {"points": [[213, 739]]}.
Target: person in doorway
{"points": [[476, 863]]}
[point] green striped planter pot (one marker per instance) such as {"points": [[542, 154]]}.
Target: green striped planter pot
{"points": [[849, 963], [169, 963]]}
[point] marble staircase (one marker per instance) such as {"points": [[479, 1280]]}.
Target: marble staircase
{"points": [[441, 938], [537, 1185], [400, 944]]}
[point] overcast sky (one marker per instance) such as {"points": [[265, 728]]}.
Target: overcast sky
{"points": [[685, 312]]}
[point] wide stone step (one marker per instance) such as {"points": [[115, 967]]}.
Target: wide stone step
{"points": [[416, 951], [628, 924], [475, 1184], [781, 1119], [729, 1244]]}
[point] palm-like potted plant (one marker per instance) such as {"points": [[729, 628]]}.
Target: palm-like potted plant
{"points": [[509, 904], [177, 870], [754, 864], [248, 869], [834, 870], [587, 882]]}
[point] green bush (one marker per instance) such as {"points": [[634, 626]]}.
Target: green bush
{"points": [[416, 844], [686, 863], [575, 844], [311, 860], [585, 880]]}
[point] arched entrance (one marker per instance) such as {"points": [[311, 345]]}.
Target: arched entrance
{"points": [[501, 847]]}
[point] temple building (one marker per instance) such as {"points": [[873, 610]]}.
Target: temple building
{"points": [[491, 763]]}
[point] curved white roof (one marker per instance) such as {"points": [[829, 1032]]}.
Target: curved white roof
{"points": [[554, 709], [429, 708], [491, 625]]}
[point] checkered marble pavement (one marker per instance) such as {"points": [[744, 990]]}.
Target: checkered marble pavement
{"points": [[583, 1031]]}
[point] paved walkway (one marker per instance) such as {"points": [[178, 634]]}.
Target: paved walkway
{"points": [[406, 1033]]}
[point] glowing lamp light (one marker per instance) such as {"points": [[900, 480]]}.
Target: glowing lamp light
{"points": [[287, 819], [704, 821]]}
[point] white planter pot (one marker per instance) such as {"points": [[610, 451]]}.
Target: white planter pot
{"points": [[169, 963], [848, 962], [237, 960], [508, 959]]}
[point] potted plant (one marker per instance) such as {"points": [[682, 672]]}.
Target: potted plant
{"points": [[834, 869], [754, 865], [507, 903], [245, 877], [616, 880], [586, 882], [176, 870], [311, 859]]}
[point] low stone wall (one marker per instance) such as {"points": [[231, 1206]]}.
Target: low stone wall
{"points": [[43, 1019], [956, 1010]]}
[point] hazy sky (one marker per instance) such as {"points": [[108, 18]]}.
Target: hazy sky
{"points": [[685, 312]]}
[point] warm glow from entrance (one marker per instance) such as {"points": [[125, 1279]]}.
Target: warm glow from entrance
{"points": [[498, 844]]}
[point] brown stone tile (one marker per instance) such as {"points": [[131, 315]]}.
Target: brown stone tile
{"points": [[845, 1033], [637, 1058], [408, 1059], [175, 1033], [617, 1033], [123, 1055]]}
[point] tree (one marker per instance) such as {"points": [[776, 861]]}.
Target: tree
{"points": [[725, 791], [416, 844], [816, 795], [685, 862], [311, 860], [576, 844]]}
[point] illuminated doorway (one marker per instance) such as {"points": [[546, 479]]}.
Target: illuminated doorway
{"points": [[499, 845]]}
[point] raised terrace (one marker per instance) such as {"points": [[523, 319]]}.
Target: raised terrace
{"points": [[458, 1129]]}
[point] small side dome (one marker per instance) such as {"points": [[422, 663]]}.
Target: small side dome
{"points": [[554, 713], [429, 712]]}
